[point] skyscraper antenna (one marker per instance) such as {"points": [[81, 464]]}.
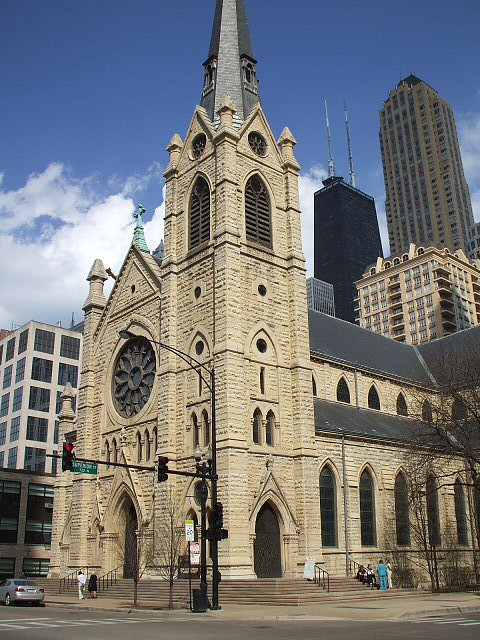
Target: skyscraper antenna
{"points": [[331, 166], [350, 157]]}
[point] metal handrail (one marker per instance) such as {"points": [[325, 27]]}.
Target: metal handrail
{"points": [[71, 579], [356, 567], [109, 578], [321, 577]]}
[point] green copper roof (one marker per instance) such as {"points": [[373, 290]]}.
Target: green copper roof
{"points": [[138, 234]]}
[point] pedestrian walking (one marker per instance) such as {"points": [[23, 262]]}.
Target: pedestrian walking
{"points": [[382, 575], [81, 579], [92, 585], [389, 574]]}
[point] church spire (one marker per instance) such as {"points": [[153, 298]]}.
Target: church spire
{"points": [[138, 233], [230, 68]]}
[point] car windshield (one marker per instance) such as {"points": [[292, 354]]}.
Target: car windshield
{"points": [[20, 583]]}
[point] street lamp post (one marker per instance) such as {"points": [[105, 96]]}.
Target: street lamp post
{"points": [[202, 371]]}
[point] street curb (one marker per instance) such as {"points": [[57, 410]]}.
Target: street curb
{"points": [[443, 611]]}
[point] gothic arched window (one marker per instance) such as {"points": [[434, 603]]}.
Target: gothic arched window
{"points": [[206, 428], [139, 448], [155, 441], [199, 214], [402, 409], [367, 510], [433, 514], [196, 431], [257, 212], [373, 399], [459, 409], [328, 511], [257, 426], [314, 387], [147, 446], [107, 453], [343, 392], [402, 518], [460, 513], [114, 450], [269, 428], [426, 411]]}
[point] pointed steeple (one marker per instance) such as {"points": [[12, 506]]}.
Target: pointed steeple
{"points": [[138, 233], [230, 68]]}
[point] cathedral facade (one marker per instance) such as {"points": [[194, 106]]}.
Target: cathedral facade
{"points": [[309, 409]]}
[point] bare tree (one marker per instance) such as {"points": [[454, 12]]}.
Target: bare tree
{"points": [[448, 422], [169, 540], [136, 546]]}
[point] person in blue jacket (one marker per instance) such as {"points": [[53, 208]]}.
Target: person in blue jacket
{"points": [[382, 575]]}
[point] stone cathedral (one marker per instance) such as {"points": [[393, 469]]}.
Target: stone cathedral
{"points": [[310, 410]]}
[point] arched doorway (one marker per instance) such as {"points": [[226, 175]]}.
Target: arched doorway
{"points": [[267, 551], [130, 556]]}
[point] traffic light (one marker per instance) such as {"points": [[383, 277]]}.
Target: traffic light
{"points": [[162, 469], [68, 456], [217, 520]]}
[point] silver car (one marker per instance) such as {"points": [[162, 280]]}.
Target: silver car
{"points": [[15, 590]]}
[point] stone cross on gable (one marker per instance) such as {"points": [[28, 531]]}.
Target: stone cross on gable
{"points": [[139, 212]]}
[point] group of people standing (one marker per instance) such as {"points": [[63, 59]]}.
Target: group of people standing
{"points": [[92, 584], [368, 576]]}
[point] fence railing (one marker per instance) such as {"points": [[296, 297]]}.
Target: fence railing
{"points": [[71, 579], [353, 567], [322, 577], [108, 579]]}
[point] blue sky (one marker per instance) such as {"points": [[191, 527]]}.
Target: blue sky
{"points": [[93, 91]]}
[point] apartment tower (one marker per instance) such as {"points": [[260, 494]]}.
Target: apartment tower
{"points": [[427, 197]]}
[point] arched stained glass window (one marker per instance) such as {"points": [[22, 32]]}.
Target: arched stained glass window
{"points": [[460, 513], [257, 426], [433, 514], [367, 510], [343, 392], [199, 214], [269, 428], [402, 516], [402, 409], [373, 399], [328, 511], [257, 212]]}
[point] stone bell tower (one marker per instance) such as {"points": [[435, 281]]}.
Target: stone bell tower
{"points": [[234, 295]]}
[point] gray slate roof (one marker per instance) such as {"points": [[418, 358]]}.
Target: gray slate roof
{"points": [[446, 349], [349, 343], [344, 419]]}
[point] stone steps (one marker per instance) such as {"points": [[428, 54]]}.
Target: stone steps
{"points": [[281, 591]]}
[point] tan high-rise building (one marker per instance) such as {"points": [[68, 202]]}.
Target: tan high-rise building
{"points": [[427, 197], [426, 293]]}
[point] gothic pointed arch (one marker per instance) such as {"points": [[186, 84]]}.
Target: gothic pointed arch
{"points": [[373, 399], [199, 213], [459, 409], [270, 429], [257, 424], [139, 447], [402, 409], [343, 391], [433, 512], [195, 430], [328, 507], [426, 411], [205, 427], [267, 550], [367, 509], [258, 217], [314, 386], [147, 446], [115, 450], [402, 516], [155, 441], [460, 512], [107, 453]]}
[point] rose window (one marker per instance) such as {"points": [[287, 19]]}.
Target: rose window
{"points": [[198, 145], [257, 144], [134, 377]]}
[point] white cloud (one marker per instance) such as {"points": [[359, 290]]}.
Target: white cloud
{"points": [[52, 229], [309, 182], [469, 135]]}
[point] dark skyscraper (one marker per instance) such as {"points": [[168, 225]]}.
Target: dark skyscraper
{"points": [[346, 240]]}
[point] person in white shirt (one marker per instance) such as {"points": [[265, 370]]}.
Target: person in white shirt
{"points": [[81, 584]]}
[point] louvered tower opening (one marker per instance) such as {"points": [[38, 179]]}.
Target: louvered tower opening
{"points": [[257, 212], [199, 214]]}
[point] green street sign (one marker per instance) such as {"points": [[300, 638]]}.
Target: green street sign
{"points": [[85, 467]]}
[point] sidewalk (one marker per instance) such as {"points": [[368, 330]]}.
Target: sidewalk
{"points": [[390, 608]]}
